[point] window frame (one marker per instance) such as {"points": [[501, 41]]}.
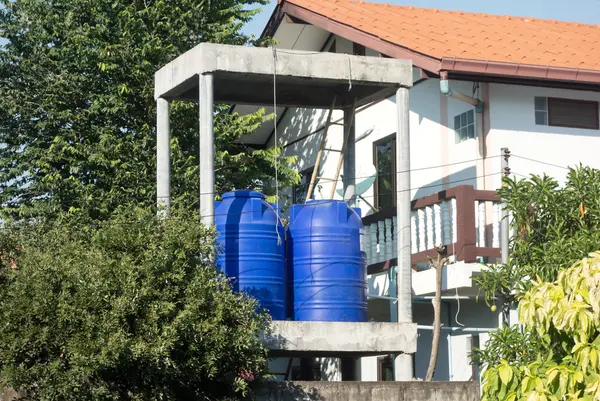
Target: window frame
{"points": [[388, 138], [457, 138], [576, 101]]}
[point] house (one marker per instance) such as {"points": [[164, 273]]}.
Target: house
{"points": [[481, 83]]}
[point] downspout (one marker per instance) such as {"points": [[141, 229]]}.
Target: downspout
{"points": [[446, 90]]}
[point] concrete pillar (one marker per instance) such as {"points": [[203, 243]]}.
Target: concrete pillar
{"points": [[163, 150], [403, 366], [207, 156], [349, 179]]}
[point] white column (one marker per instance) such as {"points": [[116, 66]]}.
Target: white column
{"points": [[349, 179], [207, 156], [403, 366], [163, 150], [437, 222], [422, 230], [413, 232]]}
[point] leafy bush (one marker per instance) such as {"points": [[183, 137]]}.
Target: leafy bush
{"points": [[127, 309], [565, 314]]}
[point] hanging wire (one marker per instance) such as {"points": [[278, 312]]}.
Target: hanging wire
{"points": [[278, 219]]}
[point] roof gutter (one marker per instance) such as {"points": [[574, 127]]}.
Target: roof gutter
{"points": [[519, 70]]}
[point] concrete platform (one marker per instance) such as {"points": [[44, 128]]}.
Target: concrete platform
{"points": [[244, 75], [341, 339]]}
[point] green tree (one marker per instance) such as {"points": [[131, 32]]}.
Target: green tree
{"points": [[77, 112], [128, 309], [552, 226], [565, 315]]}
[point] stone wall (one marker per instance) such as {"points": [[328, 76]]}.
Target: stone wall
{"points": [[369, 391]]}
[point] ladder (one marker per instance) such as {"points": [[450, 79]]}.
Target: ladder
{"points": [[314, 177]]}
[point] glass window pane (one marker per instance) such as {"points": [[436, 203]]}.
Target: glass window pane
{"points": [[456, 122], [541, 118], [463, 119], [541, 103], [464, 133], [385, 174], [457, 136], [471, 131], [470, 117]]}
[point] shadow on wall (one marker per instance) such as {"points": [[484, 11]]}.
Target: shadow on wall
{"points": [[302, 137], [466, 176]]}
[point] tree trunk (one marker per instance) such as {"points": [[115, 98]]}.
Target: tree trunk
{"points": [[437, 315]]}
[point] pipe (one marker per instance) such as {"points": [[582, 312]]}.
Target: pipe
{"points": [[446, 90], [421, 298], [459, 329]]}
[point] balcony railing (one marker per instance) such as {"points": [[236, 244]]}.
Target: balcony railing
{"points": [[464, 219]]}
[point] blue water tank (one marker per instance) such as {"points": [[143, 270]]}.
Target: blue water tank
{"points": [[327, 271], [251, 241]]}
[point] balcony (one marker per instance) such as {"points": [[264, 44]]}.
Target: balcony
{"points": [[463, 218]]}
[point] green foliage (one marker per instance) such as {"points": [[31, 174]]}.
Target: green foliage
{"points": [[564, 312], [553, 227], [127, 309], [77, 114]]}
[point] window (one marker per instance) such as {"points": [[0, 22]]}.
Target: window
{"points": [[358, 50], [464, 126], [384, 157], [300, 190], [566, 112], [385, 369]]}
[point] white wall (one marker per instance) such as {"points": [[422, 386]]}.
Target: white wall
{"points": [[513, 125]]}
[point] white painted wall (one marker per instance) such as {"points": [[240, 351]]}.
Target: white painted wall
{"points": [[513, 126]]}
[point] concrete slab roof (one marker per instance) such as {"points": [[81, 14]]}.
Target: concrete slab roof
{"points": [[245, 75]]}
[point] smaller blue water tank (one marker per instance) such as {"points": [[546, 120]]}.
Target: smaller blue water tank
{"points": [[251, 242], [327, 270]]}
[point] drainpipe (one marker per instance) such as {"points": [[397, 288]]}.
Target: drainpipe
{"points": [[446, 90]]}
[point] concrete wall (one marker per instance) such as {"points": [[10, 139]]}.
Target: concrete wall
{"points": [[361, 391]]}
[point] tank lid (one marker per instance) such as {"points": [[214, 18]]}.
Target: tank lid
{"points": [[244, 193]]}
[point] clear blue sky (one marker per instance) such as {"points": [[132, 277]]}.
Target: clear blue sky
{"points": [[586, 11]]}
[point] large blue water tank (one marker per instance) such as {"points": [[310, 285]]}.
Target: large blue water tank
{"points": [[251, 241], [327, 271]]}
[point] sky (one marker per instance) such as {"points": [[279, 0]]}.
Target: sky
{"points": [[585, 11]]}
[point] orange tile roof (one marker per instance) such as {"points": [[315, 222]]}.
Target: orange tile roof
{"points": [[455, 34]]}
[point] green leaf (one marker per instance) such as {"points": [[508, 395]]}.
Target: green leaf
{"points": [[505, 372]]}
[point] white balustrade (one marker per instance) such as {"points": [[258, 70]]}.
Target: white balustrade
{"points": [[480, 218], [454, 225], [496, 226], [373, 241], [382, 244], [389, 247], [431, 226], [421, 226], [446, 225], [437, 222], [414, 226]]}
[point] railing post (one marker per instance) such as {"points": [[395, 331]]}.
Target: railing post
{"points": [[467, 237]]}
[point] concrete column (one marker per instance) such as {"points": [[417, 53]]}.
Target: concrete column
{"points": [[207, 150], [163, 150], [349, 179], [403, 367]]}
